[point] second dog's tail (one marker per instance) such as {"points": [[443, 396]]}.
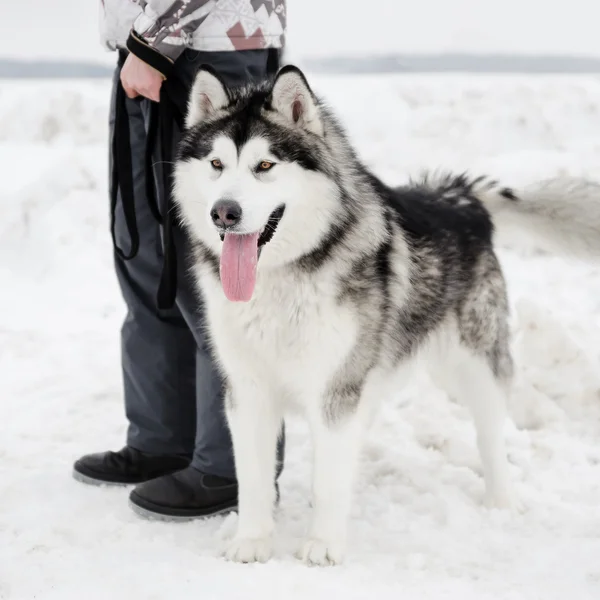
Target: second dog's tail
{"points": [[560, 214]]}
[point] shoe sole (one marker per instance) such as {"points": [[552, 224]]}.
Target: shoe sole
{"points": [[153, 515], [98, 482]]}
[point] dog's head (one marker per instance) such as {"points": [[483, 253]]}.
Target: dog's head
{"points": [[254, 176]]}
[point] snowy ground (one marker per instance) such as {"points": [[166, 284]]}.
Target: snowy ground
{"points": [[418, 528]]}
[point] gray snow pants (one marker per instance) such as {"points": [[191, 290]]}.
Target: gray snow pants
{"points": [[173, 393]]}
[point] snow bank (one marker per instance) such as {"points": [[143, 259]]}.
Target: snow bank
{"points": [[54, 111], [418, 527]]}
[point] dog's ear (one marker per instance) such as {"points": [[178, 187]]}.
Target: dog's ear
{"points": [[293, 98], [208, 96]]}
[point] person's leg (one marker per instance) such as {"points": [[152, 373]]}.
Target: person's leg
{"points": [[157, 347]]}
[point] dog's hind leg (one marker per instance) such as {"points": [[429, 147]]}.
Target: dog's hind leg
{"points": [[475, 366], [469, 378]]}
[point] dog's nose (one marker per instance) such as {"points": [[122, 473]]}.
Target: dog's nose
{"points": [[226, 213]]}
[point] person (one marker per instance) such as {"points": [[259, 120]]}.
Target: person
{"points": [[178, 451]]}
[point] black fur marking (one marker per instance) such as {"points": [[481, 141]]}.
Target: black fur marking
{"points": [[286, 147], [384, 274], [484, 309], [448, 230], [427, 307], [271, 225], [427, 216], [293, 69], [508, 194], [342, 399], [245, 119], [335, 237], [202, 254], [369, 273]]}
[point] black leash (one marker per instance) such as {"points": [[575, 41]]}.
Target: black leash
{"points": [[163, 115], [171, 110], [122, 178]]}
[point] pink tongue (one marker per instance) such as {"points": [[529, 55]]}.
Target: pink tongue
{"points": [[238, 266]]}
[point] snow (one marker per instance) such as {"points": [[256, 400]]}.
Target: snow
{"points": [[418, 529], [68, 29]]}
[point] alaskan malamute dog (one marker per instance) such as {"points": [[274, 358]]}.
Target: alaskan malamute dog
{"points": [[321, 284]]}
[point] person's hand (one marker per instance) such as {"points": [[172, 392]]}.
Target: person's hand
{"points": [[140, 79]]}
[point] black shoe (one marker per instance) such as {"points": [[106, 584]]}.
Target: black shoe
{"points": [[187, 494], [128, 466]]}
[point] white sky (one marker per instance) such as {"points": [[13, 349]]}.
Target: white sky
{"points": [[69, 28]]}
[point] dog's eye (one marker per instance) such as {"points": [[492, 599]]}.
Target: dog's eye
{"points": [[265, 165], [217, 164]]}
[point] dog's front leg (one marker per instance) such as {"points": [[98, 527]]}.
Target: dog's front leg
{"points": [[255, 423], [337, 439]]}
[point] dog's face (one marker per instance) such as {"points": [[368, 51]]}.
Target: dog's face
{"points": [[251, 179]]}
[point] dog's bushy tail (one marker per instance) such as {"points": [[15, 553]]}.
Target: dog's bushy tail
{"points": [[560, 214]]}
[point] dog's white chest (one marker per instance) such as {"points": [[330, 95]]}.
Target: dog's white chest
{"points": [[292, 325]]}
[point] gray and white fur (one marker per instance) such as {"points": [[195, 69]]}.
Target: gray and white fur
{"points": [[355, 281]]}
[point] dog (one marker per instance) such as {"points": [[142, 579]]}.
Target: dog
{"points": [[322, 286]]}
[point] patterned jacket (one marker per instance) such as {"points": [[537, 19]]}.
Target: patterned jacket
{"points": [[168, 27]]}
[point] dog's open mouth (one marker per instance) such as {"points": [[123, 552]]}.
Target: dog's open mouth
{"points": [[268, 230], [239, 257]]}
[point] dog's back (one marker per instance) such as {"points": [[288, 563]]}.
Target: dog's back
{"points": [[444, 270]]}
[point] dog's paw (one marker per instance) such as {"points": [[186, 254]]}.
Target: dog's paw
{"points": [[249, 550], [322, 553]]}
